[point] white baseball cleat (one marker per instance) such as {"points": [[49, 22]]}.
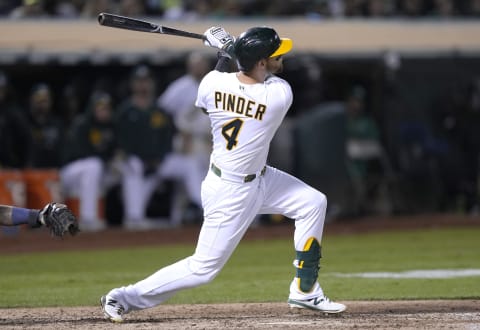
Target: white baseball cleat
{"points": [[112, 309], [320, 303]]}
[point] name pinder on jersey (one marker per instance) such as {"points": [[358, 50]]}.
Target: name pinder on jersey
{"points": [[239, 105]]}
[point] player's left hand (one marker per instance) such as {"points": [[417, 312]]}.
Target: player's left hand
{"points": [[217, 37], [59, 219]]}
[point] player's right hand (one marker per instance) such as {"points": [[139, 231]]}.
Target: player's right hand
{"points": [[217, 37]]}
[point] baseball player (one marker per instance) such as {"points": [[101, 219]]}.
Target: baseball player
{"points": [[55, 216], [178, 100], [245, 110], [89, 159], [145, 137]]}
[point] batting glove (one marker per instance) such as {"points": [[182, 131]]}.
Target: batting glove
{"points": [[217, 37]]}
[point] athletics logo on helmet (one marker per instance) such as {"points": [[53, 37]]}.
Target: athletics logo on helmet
{"points": [[257, 43]]}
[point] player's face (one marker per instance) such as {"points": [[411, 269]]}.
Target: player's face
{"points": [[275, 64], [103, 111]]}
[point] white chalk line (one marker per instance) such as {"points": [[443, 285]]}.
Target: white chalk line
{"points": [[417, 273]]}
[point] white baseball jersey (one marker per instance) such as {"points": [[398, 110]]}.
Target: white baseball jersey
{"points": [[244, 118]]}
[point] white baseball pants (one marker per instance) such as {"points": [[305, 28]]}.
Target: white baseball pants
{"points": [[229, 209], [138, 188], [86, 179]]}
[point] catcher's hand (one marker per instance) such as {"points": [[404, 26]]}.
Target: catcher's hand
{"points": [[59, 219]]}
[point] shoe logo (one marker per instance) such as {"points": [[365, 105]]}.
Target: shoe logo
{"points": [[119, 308], [317, 301]]}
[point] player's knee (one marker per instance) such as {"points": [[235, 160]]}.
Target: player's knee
{"points": [[133, 166], [94, 167], [206, 271], [205, 276], [318, 202], [321, 200], [210, 276]]}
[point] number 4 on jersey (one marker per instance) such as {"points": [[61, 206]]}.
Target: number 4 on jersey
{"points": [[230, 132]]}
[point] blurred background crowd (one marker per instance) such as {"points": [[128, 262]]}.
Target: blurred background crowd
{"points": [[392, 133], [198, 9]]}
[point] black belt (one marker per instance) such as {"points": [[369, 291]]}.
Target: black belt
{"points": [[246, 178]]}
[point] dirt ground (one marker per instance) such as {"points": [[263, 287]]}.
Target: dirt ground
{"points": [[429, 314], [455, 314]]}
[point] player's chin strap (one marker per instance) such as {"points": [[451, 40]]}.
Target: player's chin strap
{"points": [[308, 264]]}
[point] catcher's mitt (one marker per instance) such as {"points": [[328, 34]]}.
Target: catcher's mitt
{"points": [[59, 219]]}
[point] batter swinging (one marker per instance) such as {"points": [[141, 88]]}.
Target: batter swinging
{"points": [[245, 110]]}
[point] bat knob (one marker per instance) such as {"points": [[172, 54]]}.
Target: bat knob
{"points": [[101, 18]]}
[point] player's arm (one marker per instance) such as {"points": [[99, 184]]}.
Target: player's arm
{"points": [[55, 216], [15, 216], [217, 37], [224, 62]]}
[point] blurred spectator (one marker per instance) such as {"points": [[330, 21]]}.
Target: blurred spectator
{"points": [[30, 9], [88, 160], [178, 100], [70, 104], [189, 9], [459, 121], [174, 9], [193, 140], [46, 129], [145, 137], [67, 8], [473, 8], [201, 8], [285, 8], [473, 148], [156, 7], [354, 8], [6, 6], [305, 76], [364, 149], [132, 8], [325, 9], [379, 8], [14, 132], [230, 8], [444, 8], [411, 8], [198, 9], [92, 8]]}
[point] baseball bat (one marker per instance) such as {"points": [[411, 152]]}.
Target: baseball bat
{"points": [[128, 23]]}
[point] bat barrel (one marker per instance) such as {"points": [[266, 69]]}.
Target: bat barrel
{"points": [[128, 23]]}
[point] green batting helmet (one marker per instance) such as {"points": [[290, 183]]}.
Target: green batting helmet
{"points": [[257, 43]]}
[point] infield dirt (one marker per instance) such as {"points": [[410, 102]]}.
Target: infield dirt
{"points": [[434, 314]]}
